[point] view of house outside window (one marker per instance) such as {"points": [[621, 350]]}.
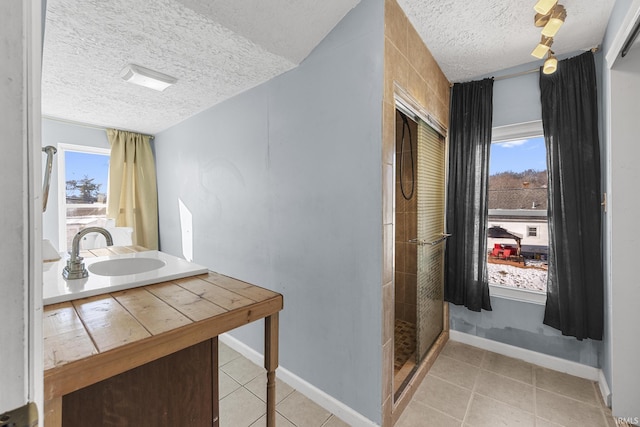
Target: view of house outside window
{"points": [[518, 239], [86, 175]]}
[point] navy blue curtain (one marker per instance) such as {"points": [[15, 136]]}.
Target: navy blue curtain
{"points": [[467, 198], [570, 120]]}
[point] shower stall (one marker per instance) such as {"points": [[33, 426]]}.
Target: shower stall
{"points": [[419, 244]]}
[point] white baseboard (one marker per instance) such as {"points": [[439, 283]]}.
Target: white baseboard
{"points": [[536, 358], [331, 404]]}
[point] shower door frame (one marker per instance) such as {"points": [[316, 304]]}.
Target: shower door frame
{"points": [[409, 106]]}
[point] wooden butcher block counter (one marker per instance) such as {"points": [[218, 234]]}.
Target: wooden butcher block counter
{"points": [[148, 356]]}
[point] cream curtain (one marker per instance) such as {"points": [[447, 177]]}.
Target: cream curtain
{"points": [[133, 198]]}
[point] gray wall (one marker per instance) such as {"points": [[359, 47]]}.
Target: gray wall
{"points": [[14, 215], [517, 100], [284, 186], [54, 133], [621, 94]]}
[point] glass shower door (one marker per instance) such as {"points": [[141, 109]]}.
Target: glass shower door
{"points": [[431, 240]]}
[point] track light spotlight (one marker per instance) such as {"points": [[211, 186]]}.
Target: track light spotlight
{"points": [[543, 47], [544, 6], [551, 64], [556, 19]]}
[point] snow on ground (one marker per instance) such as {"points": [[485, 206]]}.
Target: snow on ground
{"points": [[524, 278]]}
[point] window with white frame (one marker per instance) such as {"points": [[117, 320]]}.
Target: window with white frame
{"points": [[83, 179], [517, 223]]}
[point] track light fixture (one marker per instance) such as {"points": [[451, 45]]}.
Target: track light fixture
{"points": [[550, 64], [550, 16]]}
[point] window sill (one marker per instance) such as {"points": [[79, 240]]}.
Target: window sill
{"points": [[517, 294]]}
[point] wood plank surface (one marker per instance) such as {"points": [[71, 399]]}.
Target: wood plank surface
{"points": [[191, 305], [108, 323], [245, 289], [214, 293], [66, 378], [101, 252], [119, 250], [65, 338], [153, 313]]}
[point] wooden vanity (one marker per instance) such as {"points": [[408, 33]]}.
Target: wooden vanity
{"points": [[148, 356]]}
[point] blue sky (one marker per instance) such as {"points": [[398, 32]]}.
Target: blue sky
{"points": [[77, 165], [518, 156]]}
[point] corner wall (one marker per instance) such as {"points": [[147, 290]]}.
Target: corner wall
{"points": [[283, 183]]}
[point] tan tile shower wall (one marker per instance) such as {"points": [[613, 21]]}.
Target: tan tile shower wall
{"points": [[407, 62], [406, 224]]}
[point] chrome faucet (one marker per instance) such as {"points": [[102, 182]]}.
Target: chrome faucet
{"points": [[75, 267]]}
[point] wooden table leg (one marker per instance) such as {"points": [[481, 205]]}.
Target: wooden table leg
{"points": [[215, 382], [53, 412], [270, 364]]}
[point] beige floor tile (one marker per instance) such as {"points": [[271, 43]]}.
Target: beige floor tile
{"points": [[568, 385], [568, 412], [258, 386], [226, 354], [240, 409], [544, 423], [454, 371], [510, 367], [302, 412], [226, 385], [486, 412], [464, 352], [334, 421], [419, 415], [242, 370], [443, 396], [506, 390], [280, 421]]}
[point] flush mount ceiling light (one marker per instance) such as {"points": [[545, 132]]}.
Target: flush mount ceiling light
{"points": [[148, 78], [551, 21], [543, 47], [551, 64], [544, 6]]}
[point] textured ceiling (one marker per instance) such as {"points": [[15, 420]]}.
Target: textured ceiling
{"points": [[216, 49], [219, 48], [474, 38]]}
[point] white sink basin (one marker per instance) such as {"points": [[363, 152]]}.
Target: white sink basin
{"points": [[114, 273], [124, 266]]}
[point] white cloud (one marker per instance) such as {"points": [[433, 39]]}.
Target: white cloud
{"points": [[511, 144]]}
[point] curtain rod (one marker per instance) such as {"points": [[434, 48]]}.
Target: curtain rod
{"points": [[88, 125], [535, 70]]}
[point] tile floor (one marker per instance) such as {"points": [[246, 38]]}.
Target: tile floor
{"points": [[243, 394], [466, 386]]}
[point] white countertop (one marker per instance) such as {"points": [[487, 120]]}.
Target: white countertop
{"points": [[57, 289]]}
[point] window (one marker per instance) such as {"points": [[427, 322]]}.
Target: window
{"points": [[83, 177], [517, 223]]}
